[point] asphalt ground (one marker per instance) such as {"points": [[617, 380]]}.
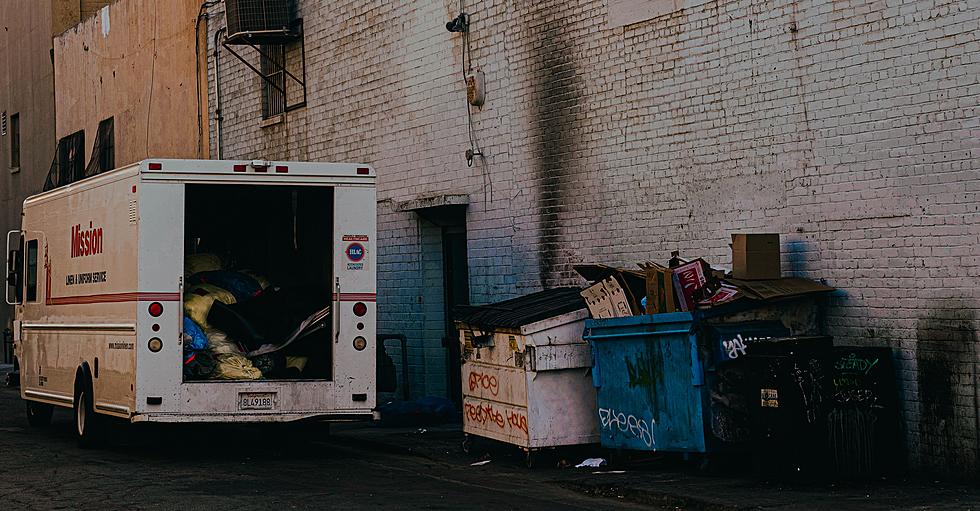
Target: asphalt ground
{"points": [[364, 466]]}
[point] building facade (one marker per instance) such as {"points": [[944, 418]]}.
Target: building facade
{"points": [[26, 110], [126, 81], [617, 131]]}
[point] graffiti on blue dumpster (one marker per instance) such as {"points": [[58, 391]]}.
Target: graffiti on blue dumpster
{"points": [[642, 372], [628, 424]]}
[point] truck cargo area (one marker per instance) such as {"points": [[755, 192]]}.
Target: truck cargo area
{"points": [[258, 273]]}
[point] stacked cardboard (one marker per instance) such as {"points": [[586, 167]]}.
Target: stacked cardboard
{"points": [[690, 285]]}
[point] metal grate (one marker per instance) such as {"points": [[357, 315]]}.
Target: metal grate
{"points": [[132, 211], [258, 21], [273, 65]]}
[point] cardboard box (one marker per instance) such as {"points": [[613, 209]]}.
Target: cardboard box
{"points": [[688, 279], [659, 289], [755, 256], [606, 299]]}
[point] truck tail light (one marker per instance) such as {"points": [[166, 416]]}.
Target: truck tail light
{"points": [[239, 168], [155, 166], [156, 309], [281, 169], [360, 343], [360, 309], [363, 171]]}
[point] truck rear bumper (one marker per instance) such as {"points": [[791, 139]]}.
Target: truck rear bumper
{"points": [[340, 416]]}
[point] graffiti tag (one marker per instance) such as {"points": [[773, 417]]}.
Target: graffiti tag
{"points": [[737, 346], [642, 373], [487, 415], [485, 381], [639, 428], [484, 415], [517, 420], [853, 363]]}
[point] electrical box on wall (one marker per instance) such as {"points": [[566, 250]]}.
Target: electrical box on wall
{"points": [[476, 88]]}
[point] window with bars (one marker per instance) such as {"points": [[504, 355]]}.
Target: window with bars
{"points": [[273, 65]]}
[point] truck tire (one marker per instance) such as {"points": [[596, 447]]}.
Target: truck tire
{"points": [[39, 414], [88, 424]]}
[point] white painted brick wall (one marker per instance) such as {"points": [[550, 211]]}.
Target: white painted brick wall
{"points": [[851, 127]]}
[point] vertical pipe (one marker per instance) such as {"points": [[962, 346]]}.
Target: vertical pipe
{"points": [[217, 92]]}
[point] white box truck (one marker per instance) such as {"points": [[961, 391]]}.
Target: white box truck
{"points": [[97, 277]]}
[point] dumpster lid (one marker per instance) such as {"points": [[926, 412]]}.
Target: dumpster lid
{"points": [[524, 310]]}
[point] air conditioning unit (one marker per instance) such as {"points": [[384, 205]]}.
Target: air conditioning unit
{"points": [[260, 21]]}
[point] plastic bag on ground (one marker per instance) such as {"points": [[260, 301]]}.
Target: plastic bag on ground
{"points": [[592, 463], [235, 367]]}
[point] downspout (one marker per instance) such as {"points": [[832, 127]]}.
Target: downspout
{"points": [[217, 91]]}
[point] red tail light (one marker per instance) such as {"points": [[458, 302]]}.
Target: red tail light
{"points": [[155, 309], [155, 166], [360, 309], [239, 168], [281, 169], [363, 171]]}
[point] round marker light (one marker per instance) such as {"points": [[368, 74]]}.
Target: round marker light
{"points": [[155, 344], [360, 343], [156, 308], [360, 309]]}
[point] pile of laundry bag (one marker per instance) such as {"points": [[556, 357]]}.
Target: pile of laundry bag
{"points": [[232, 315]]}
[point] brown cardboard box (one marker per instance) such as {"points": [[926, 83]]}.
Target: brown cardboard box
{"points": [[660, 289], [606, 299], [755, 256]]}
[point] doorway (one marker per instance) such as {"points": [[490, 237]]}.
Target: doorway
{"points": [[457, 291]]}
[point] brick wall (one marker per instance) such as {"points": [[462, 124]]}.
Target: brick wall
{"points": [[851, 127]]}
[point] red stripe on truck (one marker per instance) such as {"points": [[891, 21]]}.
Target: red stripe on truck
{"points": [[113, 298], [356, 297]]}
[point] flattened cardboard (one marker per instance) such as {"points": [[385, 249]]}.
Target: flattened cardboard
{"points": [[606, 299], [632, 282], [779, 288]]}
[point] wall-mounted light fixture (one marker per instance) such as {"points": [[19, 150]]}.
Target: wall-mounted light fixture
{"points": [[459, 24]]}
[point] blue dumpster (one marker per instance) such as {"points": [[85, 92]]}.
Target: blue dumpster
{"points": [[649, 382]]}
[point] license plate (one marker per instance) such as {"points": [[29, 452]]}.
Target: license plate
{"points": [[257, 401]]}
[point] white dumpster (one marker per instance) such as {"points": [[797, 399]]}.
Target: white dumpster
{"points": [[526, 371]]}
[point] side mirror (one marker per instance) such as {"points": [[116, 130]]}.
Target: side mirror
{"points": [[15, 270]]}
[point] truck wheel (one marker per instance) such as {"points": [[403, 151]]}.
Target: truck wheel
{"points": [[39, 414], [87, 422]]}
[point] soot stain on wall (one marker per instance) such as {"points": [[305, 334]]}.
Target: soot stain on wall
{"points": [[946, 360], [556, 103]]}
